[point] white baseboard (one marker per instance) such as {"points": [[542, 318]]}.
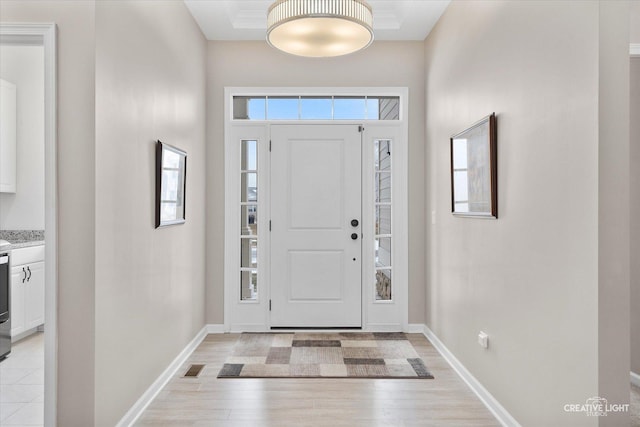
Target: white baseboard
{"points": [[215, 329], [635, 379], [416, 328], [147, 397], [634, 49], [382, 327], [22, 335], [498, 411], [238, 329], [247, 327]]}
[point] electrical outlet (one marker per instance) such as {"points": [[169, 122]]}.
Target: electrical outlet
{"points": [[433, 217], [483, 339]]}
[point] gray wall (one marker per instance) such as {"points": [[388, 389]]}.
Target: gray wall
{"points": [[531, 279], [24, 67], [534, 279], [117, 93], [635, 189], [76, 178], [257, 64], [634, 22], [635, 215], [613, 207], [150, 84]]}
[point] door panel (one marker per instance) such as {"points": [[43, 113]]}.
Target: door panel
{"points": [[315, 193], [316, 175], [34, 296], [316, 275], [17, 300]]}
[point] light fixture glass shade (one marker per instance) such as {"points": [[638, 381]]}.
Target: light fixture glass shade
{"points": [[320, 28]]}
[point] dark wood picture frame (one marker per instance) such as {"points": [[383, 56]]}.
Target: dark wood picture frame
{"points": [[474, 170], [171, 185]]}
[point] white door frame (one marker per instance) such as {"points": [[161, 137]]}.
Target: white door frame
{"points": [[45, 35], [247, 316]]}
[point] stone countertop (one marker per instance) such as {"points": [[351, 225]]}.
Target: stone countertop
{"points": [[18, 244], [21, 239]]}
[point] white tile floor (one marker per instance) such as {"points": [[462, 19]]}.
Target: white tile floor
{"points": [[22, 383]]}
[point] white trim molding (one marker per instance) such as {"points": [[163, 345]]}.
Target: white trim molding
{"points": [[45, 34], [147, 397], [381, 327], [415, 328], [254, 316], [634, 49], [215, 328], [635, 379], [498, 411]]}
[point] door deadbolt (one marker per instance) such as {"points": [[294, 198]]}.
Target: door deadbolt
{"points": [[354, 236], [354, 223]]}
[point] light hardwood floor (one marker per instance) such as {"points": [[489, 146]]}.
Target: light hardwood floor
{"points": [[208, 401]]}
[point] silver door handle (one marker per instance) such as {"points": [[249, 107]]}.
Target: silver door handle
{"points": [[25, 274]]}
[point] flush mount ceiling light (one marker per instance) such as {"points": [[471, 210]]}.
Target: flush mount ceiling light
{"points": [[320, 28]]}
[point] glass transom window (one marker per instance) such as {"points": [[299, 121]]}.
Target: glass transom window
{"points": [[316, 108]]}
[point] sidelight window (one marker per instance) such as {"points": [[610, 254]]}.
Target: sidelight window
{"points": [[382, 224], [249, 220]]}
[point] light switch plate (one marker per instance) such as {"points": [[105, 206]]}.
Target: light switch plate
{"points": [[483, 339]]}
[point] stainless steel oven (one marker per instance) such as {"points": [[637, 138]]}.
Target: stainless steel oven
{"points": [[5, 307]]}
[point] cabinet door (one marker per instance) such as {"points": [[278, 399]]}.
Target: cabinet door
{"points": [[34, 296], [7, 137], [17, 301]]}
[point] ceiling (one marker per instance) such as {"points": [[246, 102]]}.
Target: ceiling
{"points": [[247, 19]]}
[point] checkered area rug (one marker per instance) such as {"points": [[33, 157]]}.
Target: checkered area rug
{"points": [[324, 355]]}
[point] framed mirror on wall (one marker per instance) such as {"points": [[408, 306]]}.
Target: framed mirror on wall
{"points": [[171, 173], [474, 170]]}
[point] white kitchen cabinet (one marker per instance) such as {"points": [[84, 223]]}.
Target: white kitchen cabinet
{"points": [[7, 137], [27, 289], [34, 296], [18, 291]]}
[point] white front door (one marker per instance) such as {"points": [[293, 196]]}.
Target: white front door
{"points": [[316, 218]]}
